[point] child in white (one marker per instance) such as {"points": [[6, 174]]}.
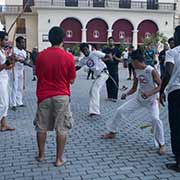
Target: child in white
{"points": [[94, 62], [149, 85]]}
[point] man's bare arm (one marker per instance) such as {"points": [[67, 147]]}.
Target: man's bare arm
{"points": [[168, 72]]}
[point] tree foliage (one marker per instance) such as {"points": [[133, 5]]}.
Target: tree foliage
{"points": [[155, 40]]}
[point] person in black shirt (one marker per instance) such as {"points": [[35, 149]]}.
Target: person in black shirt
{"points": [[33, 59], [162, 55], [130, 66], [112, 66]]}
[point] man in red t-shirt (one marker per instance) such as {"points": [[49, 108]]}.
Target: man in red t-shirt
{"points": [[55, 70]]}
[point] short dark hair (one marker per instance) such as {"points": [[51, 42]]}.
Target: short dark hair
{"points": [[83, 45], [137, 55], [2, 35], [177, 36], [170, 39], [19, 39], [56, 35], [94, 46]]}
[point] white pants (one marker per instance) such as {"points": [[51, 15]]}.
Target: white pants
{"points": [[16, 94], [94, 104], [4, 98], [133, 105]]}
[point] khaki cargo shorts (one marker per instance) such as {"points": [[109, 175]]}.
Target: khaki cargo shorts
{"points": [[54, 113]]}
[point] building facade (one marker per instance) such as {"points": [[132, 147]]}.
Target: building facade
{"points": [[177, 15], [92, 21]]}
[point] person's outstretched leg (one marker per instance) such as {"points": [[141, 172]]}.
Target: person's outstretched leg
{"points": [[113, 124]]}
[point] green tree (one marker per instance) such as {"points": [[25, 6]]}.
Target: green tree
{"points": [[155, 40]]}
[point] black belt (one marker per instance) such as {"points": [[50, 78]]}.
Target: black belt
{"points": [[104, 70]]}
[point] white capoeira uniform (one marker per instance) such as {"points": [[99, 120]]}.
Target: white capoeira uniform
{"points": [[4, 79], [146, 84], [95, 63], [16, 97]]}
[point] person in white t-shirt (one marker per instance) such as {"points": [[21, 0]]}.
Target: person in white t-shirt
{"points": [[17, 77], [125, 55], [94, 61], [4, 80], [172, 79], [149, 85]]}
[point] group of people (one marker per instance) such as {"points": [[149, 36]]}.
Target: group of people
{"points": [[56, 71]]}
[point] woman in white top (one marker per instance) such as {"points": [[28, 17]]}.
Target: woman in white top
{"points": [[4, 99], [149, 85]]}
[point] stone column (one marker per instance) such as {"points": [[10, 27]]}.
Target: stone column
{"points": [[84, 37], [135, 38], [110, 32]]}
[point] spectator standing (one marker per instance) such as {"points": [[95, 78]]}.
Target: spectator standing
{"points": [[172, 79], [112, 66], [55, 70]]}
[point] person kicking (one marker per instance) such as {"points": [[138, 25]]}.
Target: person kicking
{"points": [[94, 61], [149, 85]]}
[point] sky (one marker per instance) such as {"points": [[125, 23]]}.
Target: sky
{"points": [[2, 1]]}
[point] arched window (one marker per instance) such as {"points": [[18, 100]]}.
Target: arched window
{"points": [[152, 4], [21, 26], [72, 28]]}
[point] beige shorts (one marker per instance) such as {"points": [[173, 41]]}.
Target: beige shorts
{"points": [[54, 113]]}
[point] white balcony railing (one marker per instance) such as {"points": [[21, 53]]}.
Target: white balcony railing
{"points": [[108, 4], [115, 4]]}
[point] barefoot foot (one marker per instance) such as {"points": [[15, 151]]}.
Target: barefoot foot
{"points": [[60, 162], [162, 150]]}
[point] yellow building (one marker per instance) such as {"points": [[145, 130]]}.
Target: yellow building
{"points": [[92, 21]]}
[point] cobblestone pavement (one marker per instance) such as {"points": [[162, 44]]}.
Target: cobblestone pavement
{"points": [[131, 156]]}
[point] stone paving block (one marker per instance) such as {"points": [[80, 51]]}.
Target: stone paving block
{"points": [[165, 175], [25, 178], [73, 178], [148, 178], [90, 176], [174, 178], [130, 175], [42, 178], [103, 178], [19, 175], [118, 177]]}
